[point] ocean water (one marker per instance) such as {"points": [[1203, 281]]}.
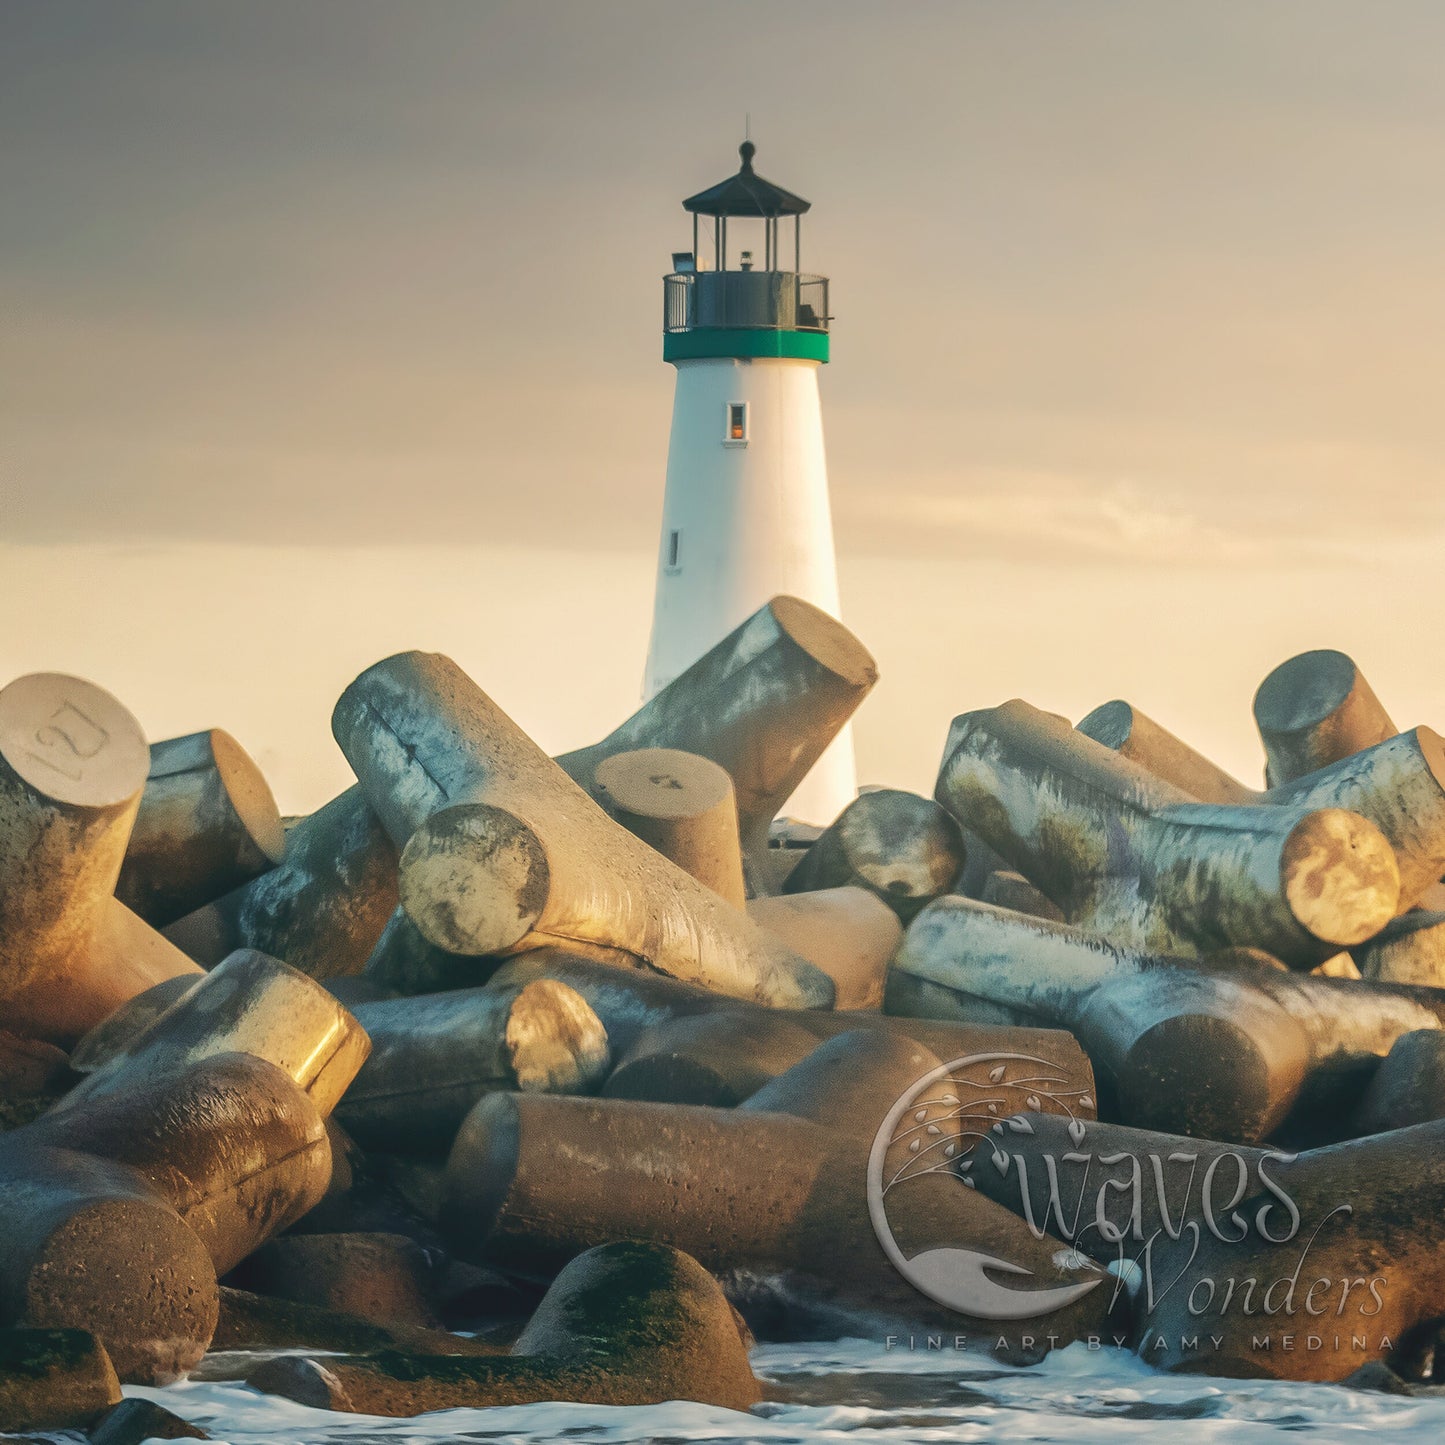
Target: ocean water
{"points": [[856, 1390]]}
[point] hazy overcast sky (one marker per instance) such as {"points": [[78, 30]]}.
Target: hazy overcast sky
{"points": [[1109, 278], [1122, 290]]}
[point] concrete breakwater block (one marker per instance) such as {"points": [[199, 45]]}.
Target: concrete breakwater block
{"points": [[72, 768], [1127, 855], [902, 847], [207, 823], [768, 1198], [433, 1056], [763, 704], [684, 806], [501, 850], [1179, 1045], [626, 1323], [248, 1004]]}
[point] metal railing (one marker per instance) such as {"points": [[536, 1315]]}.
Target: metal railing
{"points": [[755, 300]]}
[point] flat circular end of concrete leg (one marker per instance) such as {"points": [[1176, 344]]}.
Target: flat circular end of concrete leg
{"points": [[1204, 1076], [1111, 723], [250, 795], [663, 783], [1304, 691], [902, 845], [474, 879], [825, 640], [1340, 877], [556, 1044], [72, 741], [133, 1274]]}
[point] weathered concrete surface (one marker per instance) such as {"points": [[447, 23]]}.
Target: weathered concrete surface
{"points": [[114, 1034], [640, 1010], [684, 806], [1006, 889], [207, 824], [1180, 1046], [249, 1004], [763, 704], [850, 933], [406, 962], [1343, 1272], [771, 1203], [72, 766], [1409, 950], [717, 1059], [229, 1142], [1107, 1188], [1123, 729], [86, 1243], [502, 851], [627, 1323], [1132, 857], [322, 909], [902, 847], [1408, 1087], [57, 1379], [381, 1278], [1399, 785], [1314, 710], [433, 1056]]}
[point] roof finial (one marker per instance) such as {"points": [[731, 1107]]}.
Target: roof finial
{"points": [[747, 150]]}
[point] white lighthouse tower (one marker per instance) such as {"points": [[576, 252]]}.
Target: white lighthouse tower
{"points": [[746, 514]]}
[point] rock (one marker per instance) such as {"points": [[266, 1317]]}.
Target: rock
{"points": [[53, 1379], [133, 1422]]}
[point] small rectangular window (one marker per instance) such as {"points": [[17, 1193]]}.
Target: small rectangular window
{"points": [[674, 550], [736, 432]]}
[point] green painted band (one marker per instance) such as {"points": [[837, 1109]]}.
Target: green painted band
{"points": [[705, 341]]}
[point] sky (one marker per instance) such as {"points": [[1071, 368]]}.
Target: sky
{"points": [[330, 327]]}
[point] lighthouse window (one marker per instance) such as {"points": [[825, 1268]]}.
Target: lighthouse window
{"points": [[736, 434], [674, 550]]}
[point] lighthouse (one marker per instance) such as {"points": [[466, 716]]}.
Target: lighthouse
{"points": [[746, 516]]}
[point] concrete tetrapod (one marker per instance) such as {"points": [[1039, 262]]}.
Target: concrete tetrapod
{"points": [[769, 1202], [1326, 1268], [502, 851], [207, 824], [72, 766], [54, 1380], [1411, 949], [1397, 783], [1125, 730], [433, 1056], [646, 1015], [682, 805], [248, 1004], [1180, 1046], [764, 704], [322, 908], [230, 1142], [906, 849], [626, 1323], [850, 933], [1132, 857], [405, 961], [1408, 1087], [1314, 710]]}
